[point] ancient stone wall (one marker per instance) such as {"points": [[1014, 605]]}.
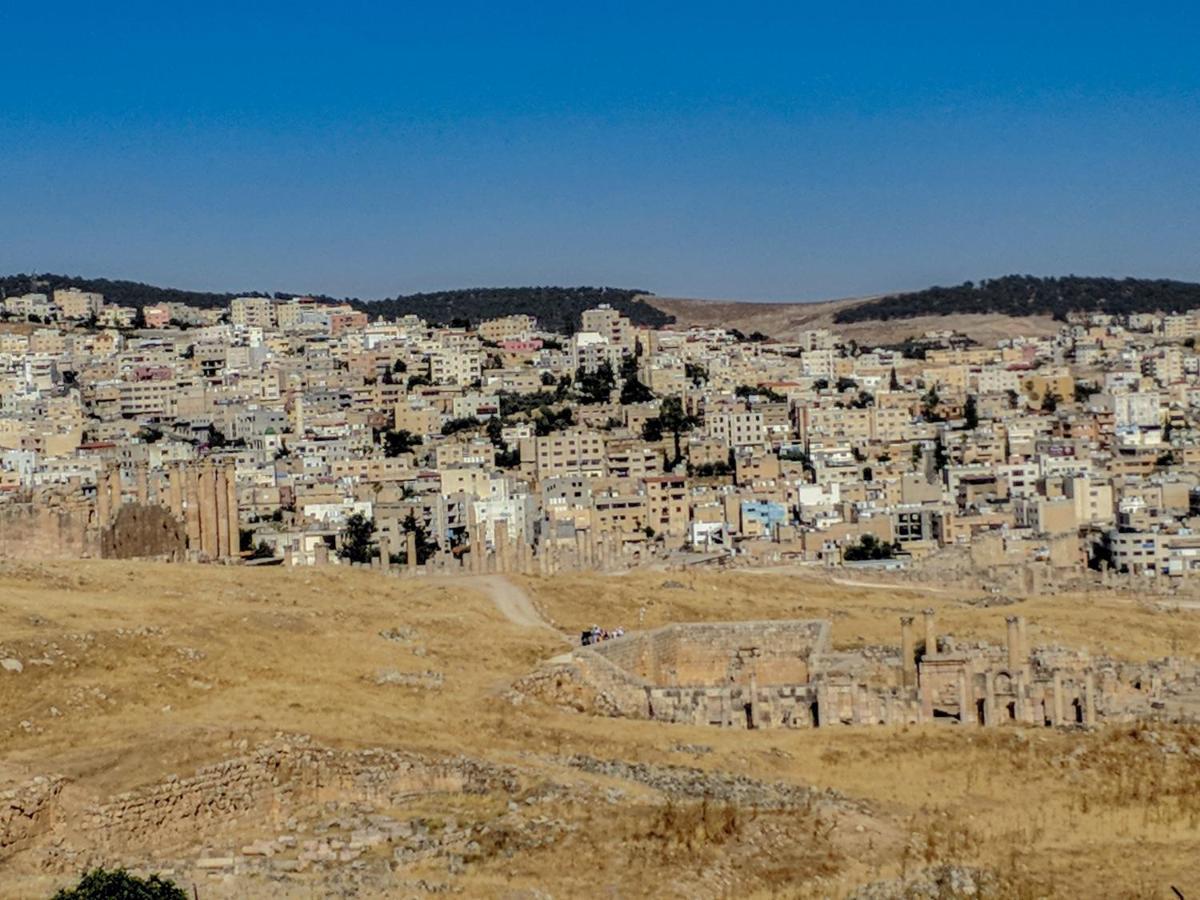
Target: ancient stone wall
{"points": [[782, 674], [144, 531], [717, 654], [26, 812], [269, 783], [34, 532]]}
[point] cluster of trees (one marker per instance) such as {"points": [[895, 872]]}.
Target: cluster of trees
{"points": [[359, 544], [397, 442], [869, 547], [123, 293], [556, 308], [1028, 295], [745, 391], [466, 423], [672, 420], [595, 387]]}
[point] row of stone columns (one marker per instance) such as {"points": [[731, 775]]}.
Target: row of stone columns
{"points": [[203, 496]]}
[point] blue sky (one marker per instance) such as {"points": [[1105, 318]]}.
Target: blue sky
{"points": [[759, 151]]}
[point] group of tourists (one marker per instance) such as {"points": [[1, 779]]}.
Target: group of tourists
{"points": [[597, 634]]}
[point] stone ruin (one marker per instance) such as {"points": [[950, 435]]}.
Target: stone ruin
{"points": [[257, 815], [786, 674]]}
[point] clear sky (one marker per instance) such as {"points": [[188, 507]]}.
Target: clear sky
{"points": [[762, 151]]}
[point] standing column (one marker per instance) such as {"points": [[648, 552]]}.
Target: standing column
{"points": [[966, 699], [221, 499], [989, 699], [931, 648], [1014, 646], [1023, 637], [580, 544], [208, 512], [410, 551], [385, 551], [750, 703], [477, 550], [231, 510], [175, 492], [1089, 698], [1059, 705], [103, 500], [142, 482], [114, 490], [191, 520], [500, 539], [908, 656]]}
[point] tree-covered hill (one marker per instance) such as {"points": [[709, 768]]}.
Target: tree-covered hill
{"points": [[556, 308], [1027, 295], [124, 293]]}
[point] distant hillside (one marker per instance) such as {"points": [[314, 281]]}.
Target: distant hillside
{"points": [[124, 293], [556, 308], [1026, 295]]}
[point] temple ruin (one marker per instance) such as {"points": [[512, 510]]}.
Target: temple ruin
{"points": [[786, 674]]}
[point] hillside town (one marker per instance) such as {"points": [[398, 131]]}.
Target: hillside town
{"points": [[302, 432]]}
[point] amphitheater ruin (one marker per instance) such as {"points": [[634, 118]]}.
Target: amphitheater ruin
{"points": [[786, 674]]}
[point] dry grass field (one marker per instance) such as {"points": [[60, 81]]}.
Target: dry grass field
{"points": [[133, 672]]}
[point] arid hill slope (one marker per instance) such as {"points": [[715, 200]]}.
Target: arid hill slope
{"points": [[784, 321]]}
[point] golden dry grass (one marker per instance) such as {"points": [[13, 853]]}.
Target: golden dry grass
{"points": [[243, 653]]}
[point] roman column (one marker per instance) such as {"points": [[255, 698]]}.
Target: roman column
{"points": [[908, 656]]}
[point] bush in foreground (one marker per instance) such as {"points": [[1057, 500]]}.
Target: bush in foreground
{"points": [[100, 884]]}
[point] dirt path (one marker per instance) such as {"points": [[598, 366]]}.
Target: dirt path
{"points": [[847, 582], [512, 601]]}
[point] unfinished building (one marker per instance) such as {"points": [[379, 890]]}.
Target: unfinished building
{"points": [[785, 674]]}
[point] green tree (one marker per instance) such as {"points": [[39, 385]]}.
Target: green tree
{"points": [[466, 423], [869, 547], [595, 387], [676, 422], [940, 457], [101, 884], [426, 545], [893, 381], [398, 442], [357, 543], [494, 429], [971, 413], [929, 405], [1050, 401], [633, 391]]}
